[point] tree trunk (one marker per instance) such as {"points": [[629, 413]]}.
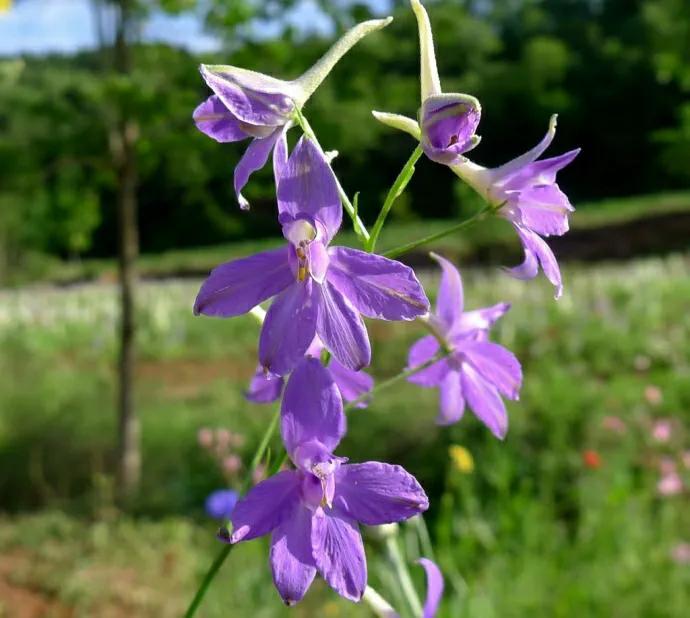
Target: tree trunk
{"points": [[123, 144]]}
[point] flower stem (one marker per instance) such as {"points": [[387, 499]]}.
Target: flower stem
{"points": [[395, 192], [394, 380], [357, 224], [476, 217], [378, 604], [403, 575], [226, 549]]}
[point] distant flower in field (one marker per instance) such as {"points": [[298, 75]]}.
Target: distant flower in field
{"points": [[591, 459], [653, 395], [204, 437], [523, 191], [259, 473], [313, 512], [232, 464], [670, 485], [319, 290], [681, 553], [221, 503], [614, 424], [476, 371], [223, 438], [250, 105], [462, 459], [434, 587], [662, 430], [266, 387]]}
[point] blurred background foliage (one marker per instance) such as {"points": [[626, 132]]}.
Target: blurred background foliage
{"points": [[615, 70]]}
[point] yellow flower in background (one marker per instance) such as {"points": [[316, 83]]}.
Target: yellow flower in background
{"points": [[461, 458], [5, 5]]}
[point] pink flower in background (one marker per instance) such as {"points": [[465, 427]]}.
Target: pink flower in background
{"points": [[232, 464], [662, 430], [591, 459], [614, 424], [259, 473], [204, 437], [670, 484], [653, 395], [681, 553], [223, 438]]}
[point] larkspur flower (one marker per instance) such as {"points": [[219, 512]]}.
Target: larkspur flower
{"points": [[446, 121], [314, 512], [266, 387], [250, 105], [319, 290], [220, 503], [523, 191], [434, 587], [476, 371]]}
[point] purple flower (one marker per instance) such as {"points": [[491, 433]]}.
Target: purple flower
{"points": [[476, 371], [447, 121], [434, 587], [220, 503], [266, 387], [319, 290], [314, 512], [250, 105], [525, 192]]}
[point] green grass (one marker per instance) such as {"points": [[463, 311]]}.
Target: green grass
{"points": [[492, 237], [531, 532]]}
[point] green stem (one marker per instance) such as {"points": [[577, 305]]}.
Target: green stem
{"points": [[394, 380], [226, 549], [424, 538], [360, 228], [403, 575], [478, 216], [395, 192]]}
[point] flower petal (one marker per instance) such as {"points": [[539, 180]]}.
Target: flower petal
{"points": [[420, 352], [397, 121], [484, 400], [236, 287], [307, 186], [450, 301], [377, 493], [312, 407], [537, 252], [264, 388], [376, 286], [434, 587], [479, 319], [351, 384], [496, 365], [265, 506], [544, 209], [339, 553], [253, 98], [539, 173], [341, 328], [289, 328], [280, 154], [452, 403], [292, 563], [216, 121], [254, 159]]}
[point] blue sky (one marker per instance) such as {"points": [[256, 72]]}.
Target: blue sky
{"points": [[40, 26]]}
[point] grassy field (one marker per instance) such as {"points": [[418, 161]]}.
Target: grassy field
{"points": [[492, 239], [539, 528]]}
